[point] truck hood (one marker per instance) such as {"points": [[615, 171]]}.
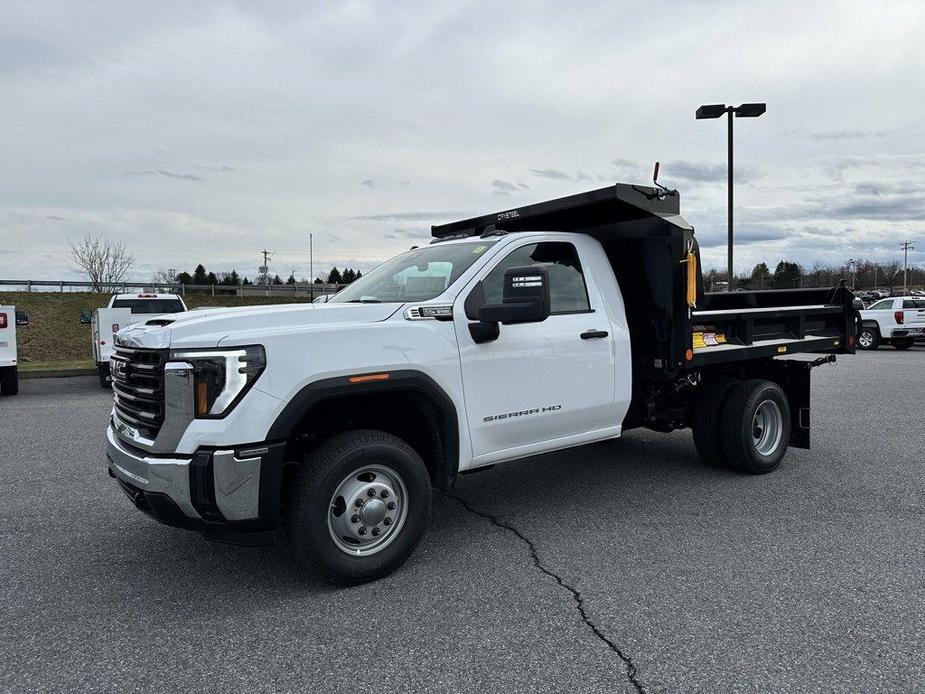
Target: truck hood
{"points": [[208, 327]]}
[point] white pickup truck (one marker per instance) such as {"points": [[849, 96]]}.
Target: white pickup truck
{"points": [[121, 311], [9, 378], [521, 332], [899, 320]]}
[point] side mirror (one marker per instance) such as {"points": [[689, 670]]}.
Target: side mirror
{"points": [[323, 299], [22, 318], [524, 299], [858, 304]]}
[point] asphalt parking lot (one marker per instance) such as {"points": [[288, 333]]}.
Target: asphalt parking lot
{"points": [[688, 579]]}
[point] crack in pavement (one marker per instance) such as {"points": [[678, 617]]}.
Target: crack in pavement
{"points": [[631, 669]]}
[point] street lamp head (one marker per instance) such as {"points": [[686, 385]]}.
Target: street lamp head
{"points": [[711, 111], [750, 110]]}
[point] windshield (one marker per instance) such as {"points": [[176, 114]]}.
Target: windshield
{"points": [[150, 305], [417, 275]]}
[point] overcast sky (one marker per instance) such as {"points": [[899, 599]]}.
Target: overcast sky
{"points": [[197, 132]]}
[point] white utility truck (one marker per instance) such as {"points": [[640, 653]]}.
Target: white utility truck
{"points": [[521, 332], [899, 320], [121, 311], [9, 378]]}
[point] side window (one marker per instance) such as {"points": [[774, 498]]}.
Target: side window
{"points": [[914, 303], [882, 305], [567, 292]]}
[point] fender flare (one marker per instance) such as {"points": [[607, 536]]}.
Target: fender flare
{"points": [[317, 392]]}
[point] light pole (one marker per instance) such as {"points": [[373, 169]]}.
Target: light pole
{"points": [[905, 247], [743, 111], [853, 268]]}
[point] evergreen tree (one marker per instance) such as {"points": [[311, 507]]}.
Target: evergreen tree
{"points": [[232, 279], [348, 276], [245, 281], [334, 276], [787, 275], [185, 278], [761, 276], [277, 279], [291, 279], [199, 275], [211, 278], [318, 280]]}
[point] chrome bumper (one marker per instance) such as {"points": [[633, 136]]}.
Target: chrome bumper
{"points": [[235, 480], [169, 476]]}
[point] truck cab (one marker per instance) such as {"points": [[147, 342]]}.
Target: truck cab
{"points": [[516, 333], [123, 310]]}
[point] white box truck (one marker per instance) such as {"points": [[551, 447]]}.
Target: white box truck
{"points": [[9, 380], [121, 311]]}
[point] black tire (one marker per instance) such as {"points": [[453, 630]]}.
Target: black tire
{"points": [[105, 378], [902, 343], [705, 420], [868, 338], [309, 505], [9, 380], [739, 426]]}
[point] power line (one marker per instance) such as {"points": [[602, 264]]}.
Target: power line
{"points": [[265, 268]]}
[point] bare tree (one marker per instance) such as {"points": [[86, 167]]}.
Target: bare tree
{"points": [[104, 262]]}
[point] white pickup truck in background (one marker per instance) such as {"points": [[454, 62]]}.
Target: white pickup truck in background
{"points": [[899, 320], [124, 310], [9, 379]]}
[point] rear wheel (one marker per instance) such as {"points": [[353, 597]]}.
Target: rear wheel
{"points": [[868, 338], [9, 380], [902, 343], [705, 420], [755, 426], [358, 506]]}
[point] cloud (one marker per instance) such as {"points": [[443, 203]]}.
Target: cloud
{"points": [[168, 174], [849, 134], [408, 233], [369, 183], [409, 216], [550, 173], [55, 218], [506, 187], [696, 172]]}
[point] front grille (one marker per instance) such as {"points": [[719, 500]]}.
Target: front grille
{"points": [[138, 388]]}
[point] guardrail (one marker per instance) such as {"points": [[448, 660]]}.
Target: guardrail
{"points": [[299, 289]]}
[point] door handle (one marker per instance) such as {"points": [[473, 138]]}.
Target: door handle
{"points": [[591, 334]]}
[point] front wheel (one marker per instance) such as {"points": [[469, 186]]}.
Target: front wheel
{"points": [[755, 427], [901, 343], [358, 506], [868, 338]]}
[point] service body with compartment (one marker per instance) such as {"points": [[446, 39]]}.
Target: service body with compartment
{"points": [[9, 377], [526, 331]]}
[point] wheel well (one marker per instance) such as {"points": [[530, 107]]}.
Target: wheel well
{"points": [[412, 415], [870, 324]]}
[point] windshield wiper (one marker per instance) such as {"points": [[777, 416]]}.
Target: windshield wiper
{"points": [[365, 300]]}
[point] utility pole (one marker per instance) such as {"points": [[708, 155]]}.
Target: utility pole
{"points": [[311, 260], [265, 268], [853, 269], [905, 247]]}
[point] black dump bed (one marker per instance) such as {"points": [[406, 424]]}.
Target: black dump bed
{"points": [[647, 242]]}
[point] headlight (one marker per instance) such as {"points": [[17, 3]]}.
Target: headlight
{"points": [[221, 377]]}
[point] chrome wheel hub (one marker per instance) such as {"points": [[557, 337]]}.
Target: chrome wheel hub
{"points": [[865, 339], [767, 427], [367, 510]]}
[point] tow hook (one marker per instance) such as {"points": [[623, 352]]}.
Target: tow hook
{"points": [[827, 359]]}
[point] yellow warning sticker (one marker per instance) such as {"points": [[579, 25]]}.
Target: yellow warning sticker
{"points": [[479, 249], [781, 350]]}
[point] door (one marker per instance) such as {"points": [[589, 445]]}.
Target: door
{"points": [[537, 383]]}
